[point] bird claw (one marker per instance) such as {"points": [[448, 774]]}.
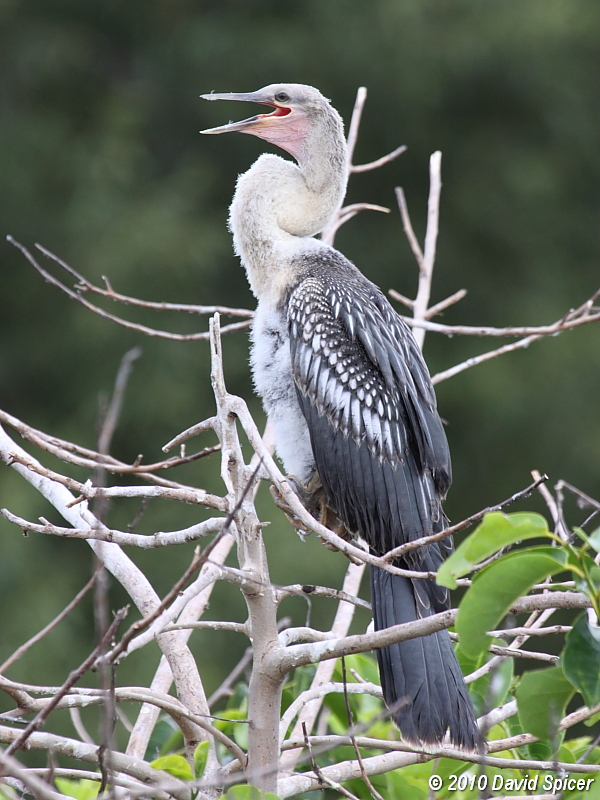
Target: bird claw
{"points": [[313, 498]]}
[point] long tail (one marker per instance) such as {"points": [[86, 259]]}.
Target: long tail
{"points": [[421, 680]]}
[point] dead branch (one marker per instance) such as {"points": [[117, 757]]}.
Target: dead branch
{"points": [[134, 326], [143, 541], [20, 651], [436, 537]]}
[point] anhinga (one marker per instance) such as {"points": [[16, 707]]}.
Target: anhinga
{"points": [[348, 393]]}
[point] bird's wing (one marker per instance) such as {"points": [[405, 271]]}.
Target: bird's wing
{"points": [[364, 389]]}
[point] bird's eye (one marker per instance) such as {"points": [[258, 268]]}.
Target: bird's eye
{"points": [[282, 97]]}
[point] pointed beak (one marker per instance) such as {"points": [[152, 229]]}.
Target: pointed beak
{"points": [[251, 124]]}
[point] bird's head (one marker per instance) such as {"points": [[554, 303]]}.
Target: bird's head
{"points": [[300, 113]]}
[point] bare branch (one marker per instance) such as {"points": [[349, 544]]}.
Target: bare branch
{"points": [[87, 286], [436, 537], [432, 311], [379, 162], [161, 683], [426, 267], [408, 230], [324, 671], [90, 459], [134, 326], [20, 651], [39, 720], [585, 313], [344, 215], [38, 787], [113, 412], [320, 591], [359, 104], [143, 541], [73, 748], [585, 499]]}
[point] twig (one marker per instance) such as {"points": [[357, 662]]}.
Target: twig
{"points": [[87, 286], [365, 777], [143, 541], [429, 248], [80, 728], [571, 320], [347, 212], [320, 591], [38, 787], [409, 231], [109, 423], [582, 315], [359, 104], [551, 630], [320, 777], [73, 748], [90, 459], [344, 215], [436, 537], [198, 560], [108, 419], [135, 787], [379, 162], [74, 676], [225, 688], [134, 326], [432, 311], [585, 499], [20, 651]]}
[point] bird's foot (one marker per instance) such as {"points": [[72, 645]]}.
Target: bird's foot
{"points": [[313, 497], [292, 518]]}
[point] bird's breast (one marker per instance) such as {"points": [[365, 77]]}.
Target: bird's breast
{"points": [[274, 382]]}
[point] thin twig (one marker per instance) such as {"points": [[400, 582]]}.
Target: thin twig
{"points": [[90, 459], [74, 676], [20, 651], [103, 534], [350, 715], [134, 326], [379, 162], [429, 247], [87, 286], [409, 231], [436, 537], [320, 777], [359, 104], [432, 311], [320, 591]]}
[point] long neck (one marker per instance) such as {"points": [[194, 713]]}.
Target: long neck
{"points": [[279, 206]]}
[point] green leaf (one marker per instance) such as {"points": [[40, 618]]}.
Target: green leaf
{"points": [[166, 738], [542, 698], [174, 765], [365, 665], [81, 790], [589, 723], [491, 689], [495, 590], [248, 792], [593, 540], [200, 757], [495, 532], [580, 660]]}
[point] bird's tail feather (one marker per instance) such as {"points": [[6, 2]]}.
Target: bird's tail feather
{"points": [[421, 680]]}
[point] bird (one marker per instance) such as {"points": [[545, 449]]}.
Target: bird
{"points": [[348, 393]]}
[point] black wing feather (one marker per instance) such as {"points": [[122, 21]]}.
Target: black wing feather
{"points": [[382, 457]]}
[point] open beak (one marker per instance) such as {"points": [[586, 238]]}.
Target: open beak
{"points": [[255, 125]]}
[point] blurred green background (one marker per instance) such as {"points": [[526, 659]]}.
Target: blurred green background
{"points": [[102, 163]]}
